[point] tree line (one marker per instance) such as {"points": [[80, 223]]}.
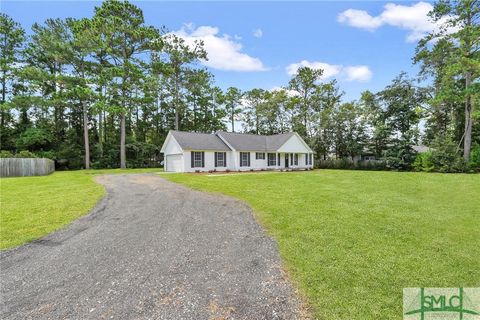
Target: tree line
{"points": [[104, 92]]}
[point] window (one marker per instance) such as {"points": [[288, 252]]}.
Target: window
{"points": [[244, 159], [260, 156], [272, 159], [220, 159], [308, 159], [197, 159], [296, 159]]}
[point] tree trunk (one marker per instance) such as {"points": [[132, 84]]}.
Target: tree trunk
{"points": [[100, 126], [233, 121], [467, 141], [100, 133], [177, 109], [85, 136], [4, 94], [122, 141]]}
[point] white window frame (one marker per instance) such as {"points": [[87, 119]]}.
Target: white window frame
{"points": [[197, 159], [221, 162], [244, 161], [259, 155], [272, 156]]}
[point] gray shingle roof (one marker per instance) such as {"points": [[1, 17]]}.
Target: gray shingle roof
{"points": [[238, 141], [199, 141], [252, 142]]}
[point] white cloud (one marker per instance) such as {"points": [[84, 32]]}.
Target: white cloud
{"points": [[224, 53], [359, 19], [258, 33], [288, 92], [329, 70], [360, 73], [413, 18], [357, 73]]}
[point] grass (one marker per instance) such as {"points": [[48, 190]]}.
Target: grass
{"points": [[352, 240], [32, 207]]}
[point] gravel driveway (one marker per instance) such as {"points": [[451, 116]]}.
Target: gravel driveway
{"points": [[151, 249]]}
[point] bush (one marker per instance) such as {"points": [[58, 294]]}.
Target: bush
{"points": [[46, 154], [6, 154], [25, 154], [34, 139], [424, 162], [474, 163], [351, 165]]}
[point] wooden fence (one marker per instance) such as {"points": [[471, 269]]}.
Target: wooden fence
{"points": [[23, 167]]}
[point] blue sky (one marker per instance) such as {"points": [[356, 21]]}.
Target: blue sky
{"points": [[364, 45]]}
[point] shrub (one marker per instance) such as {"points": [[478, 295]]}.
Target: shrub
{"points": [[46, 154], [25, 154], [474, 163], [351, 165], [424, 162], [34, 139], [6, 154]]}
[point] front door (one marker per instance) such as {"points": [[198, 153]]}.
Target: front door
{"points": [[286, 160]]}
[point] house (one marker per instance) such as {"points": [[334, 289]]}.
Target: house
{"points": [[221, 151], [421, 149]]}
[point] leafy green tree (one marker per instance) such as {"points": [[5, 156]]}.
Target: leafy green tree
{"points": [[12, 38], [452, 54], [122, 29], [180, 57], [402, 103], [254, 102], [350, 132], [233, 98], [305, 83]]}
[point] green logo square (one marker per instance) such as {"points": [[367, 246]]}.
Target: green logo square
{"points": [[441, 303]]}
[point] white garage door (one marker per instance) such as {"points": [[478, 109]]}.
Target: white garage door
{"points": [[174, 163]]}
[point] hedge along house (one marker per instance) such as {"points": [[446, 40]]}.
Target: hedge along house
{"points": [[221, 151]]}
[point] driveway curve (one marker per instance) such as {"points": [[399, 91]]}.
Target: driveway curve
{"points": [[151, 249]]}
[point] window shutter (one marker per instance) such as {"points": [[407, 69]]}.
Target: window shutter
{"points": [[278, 159], [216, 163], [191, 158], [249, 159], [225, 159], [203, 159], [241, 165]]}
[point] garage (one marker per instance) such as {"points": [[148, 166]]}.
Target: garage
{"points": [[174, 163]]}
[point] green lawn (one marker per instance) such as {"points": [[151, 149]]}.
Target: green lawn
{"points": [[32, 207], [352, 240]]}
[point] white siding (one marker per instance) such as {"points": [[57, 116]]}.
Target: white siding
{"points": [[294, 145], [174, 163], [209, 162], [172, 147]]}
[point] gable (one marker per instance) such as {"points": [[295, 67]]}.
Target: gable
{"points": [[295, 144], [199, 141], [171, 146]]}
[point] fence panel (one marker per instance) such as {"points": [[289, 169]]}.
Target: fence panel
{"points": [[23, 167]]}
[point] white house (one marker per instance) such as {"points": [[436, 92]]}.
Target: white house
{"points": [[221, 151]]}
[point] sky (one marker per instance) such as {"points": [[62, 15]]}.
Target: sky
{"points": [[250, 44]]}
